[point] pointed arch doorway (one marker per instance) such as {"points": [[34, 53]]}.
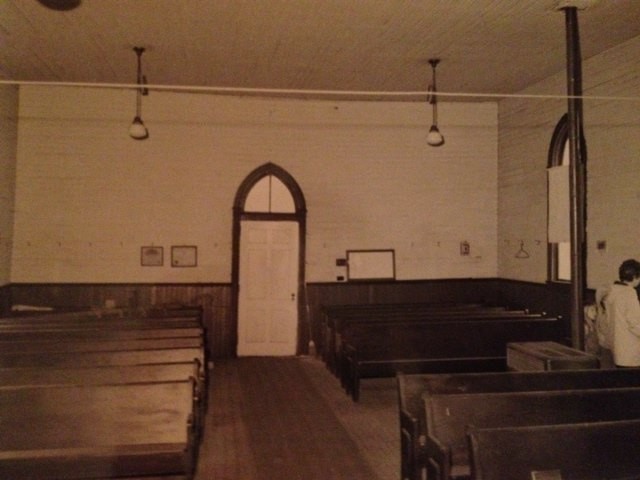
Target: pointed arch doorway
{"points": [[269, 225]]}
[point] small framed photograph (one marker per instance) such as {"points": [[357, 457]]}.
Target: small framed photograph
{"points": [[184, 256], [151, 256]]}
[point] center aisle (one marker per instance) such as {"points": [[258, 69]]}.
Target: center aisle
{"points": [[287, 418]]}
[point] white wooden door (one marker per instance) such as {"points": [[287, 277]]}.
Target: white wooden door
{"points": [[267, 303]]}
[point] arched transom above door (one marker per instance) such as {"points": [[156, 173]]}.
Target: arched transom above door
{"points": [[270, 189], [270, 195]]}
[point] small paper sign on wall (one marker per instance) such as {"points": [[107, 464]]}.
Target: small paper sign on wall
{"points": [[184, 256]]}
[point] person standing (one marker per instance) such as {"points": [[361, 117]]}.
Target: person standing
{"points": [[623, 312]]}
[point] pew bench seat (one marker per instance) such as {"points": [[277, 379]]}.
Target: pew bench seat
{"points": [[82, 432]]}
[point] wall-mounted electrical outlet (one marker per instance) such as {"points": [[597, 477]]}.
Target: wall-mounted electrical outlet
{"points": [[465, 248]]}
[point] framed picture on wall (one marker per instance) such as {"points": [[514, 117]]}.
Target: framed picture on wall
{"points": [[184, 256], [151, 256]]}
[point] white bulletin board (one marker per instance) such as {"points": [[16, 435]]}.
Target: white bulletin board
{"points": [[371, 265]]}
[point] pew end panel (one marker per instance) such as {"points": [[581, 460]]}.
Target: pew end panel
{"points": [[445, 449], [411, 443]]}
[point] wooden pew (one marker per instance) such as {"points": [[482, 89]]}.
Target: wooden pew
{"points": [[460, 345], [26, 377], [191, 316], [104, 431], [117, 330], [97, 344], [329, 313], [56, 329], [155, 311], [15, 378], [584, 451], [124, 354], [411, 387], [116, 351], [448, 416], [58, 334], [16, 324], [347, 328], [338, 326], [120, 357]]}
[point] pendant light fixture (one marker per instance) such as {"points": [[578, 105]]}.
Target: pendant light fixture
{"points": [[434, 137], [60, 5], [137, 130]]}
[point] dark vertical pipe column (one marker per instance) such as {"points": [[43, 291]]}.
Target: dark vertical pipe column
{"points": [[577, 178]]}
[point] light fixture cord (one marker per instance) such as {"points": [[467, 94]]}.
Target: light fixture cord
{"points": [[139, 51], [435, 112], [434, 99]]}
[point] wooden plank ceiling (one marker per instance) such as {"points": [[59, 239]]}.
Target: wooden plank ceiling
{"points": [[486, 46]]}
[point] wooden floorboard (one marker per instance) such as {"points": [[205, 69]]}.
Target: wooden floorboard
{"points": [[287, 418]]}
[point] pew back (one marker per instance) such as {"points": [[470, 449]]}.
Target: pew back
{"points": [[338, 317], [98, 344], [584, 451], [343, 328], [443, 338], [448, 416], [410, 388], [447, 346], [116, 323], [56, 334], [122, 357], [13, 378]]}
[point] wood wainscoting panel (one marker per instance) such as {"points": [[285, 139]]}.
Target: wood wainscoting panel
{"points": [[218, 308]]}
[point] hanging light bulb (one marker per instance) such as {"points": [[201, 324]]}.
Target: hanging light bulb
{"points": [[434, 137], [60, 5], [137, 130]]}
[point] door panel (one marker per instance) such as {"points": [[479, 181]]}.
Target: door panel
{"points": [[267, 307]]}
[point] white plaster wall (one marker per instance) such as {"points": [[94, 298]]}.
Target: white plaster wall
{"points": [[88, 196], [8, 143], [612, 132]]}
